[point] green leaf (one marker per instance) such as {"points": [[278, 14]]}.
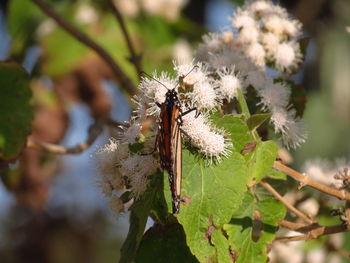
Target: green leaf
{"points": [[275, 174], [243, 104], [261, 160], [253, 227], [138, 219], [212, 194], [222, 246], [237, 128], [16, 112], [164, 243], [256, 120]]}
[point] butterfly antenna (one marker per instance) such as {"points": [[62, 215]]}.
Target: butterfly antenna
{"points": [[149, 76]]}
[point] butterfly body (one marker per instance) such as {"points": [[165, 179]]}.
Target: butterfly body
{"points": [[170, 144]]}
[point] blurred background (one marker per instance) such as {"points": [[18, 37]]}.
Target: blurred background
{"points": [[51, 209]]}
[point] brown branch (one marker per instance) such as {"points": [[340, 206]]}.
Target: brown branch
{"points": [[124, 80], [315, 233], [292, 225], [94, 131], [305, 180], [287, 205], [135, 58], [298, 227]]}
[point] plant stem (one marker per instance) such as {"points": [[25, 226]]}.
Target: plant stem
{"points": [[315, 233], [124, 80], [245, 111], [94, 131], [243, 104], [305, 180], [287, 205], [135, 58]]}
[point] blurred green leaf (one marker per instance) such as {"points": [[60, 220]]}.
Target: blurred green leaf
{"points": [[15, 108]]}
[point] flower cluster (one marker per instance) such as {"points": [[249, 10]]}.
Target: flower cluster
{"points": [[262, 36], [226, 65]]}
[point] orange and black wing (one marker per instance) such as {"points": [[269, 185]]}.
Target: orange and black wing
{"points": [[169, 145], [176, 155]]}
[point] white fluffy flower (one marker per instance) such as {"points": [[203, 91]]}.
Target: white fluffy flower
{"points": [[294, 134], [291, 28], [280, 118], [256, 53], [212, 40], [257, 79], [137, 169], [249, 35], [107, 157], [274, 24], [139, 183], [227, 37], [131, 131], [192, 73], [270, 42], [224, 59], [275, 95], [287, 56], [260, 7], [228, 84], [210, 142], [155, 90], [291, 127], [204, 96], [243, 19], [140, 111]]}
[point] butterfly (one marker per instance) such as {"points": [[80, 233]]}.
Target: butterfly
{"points": [[169, 142]]}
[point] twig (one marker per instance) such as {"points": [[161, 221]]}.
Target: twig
{"points": [[94, 131], [298, 227], [292, 225], [135, 58], [305, 180], [124, 80], [315, 233], [288, 206]]}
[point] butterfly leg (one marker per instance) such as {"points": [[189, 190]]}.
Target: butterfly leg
{"points": [[155, 146]]}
